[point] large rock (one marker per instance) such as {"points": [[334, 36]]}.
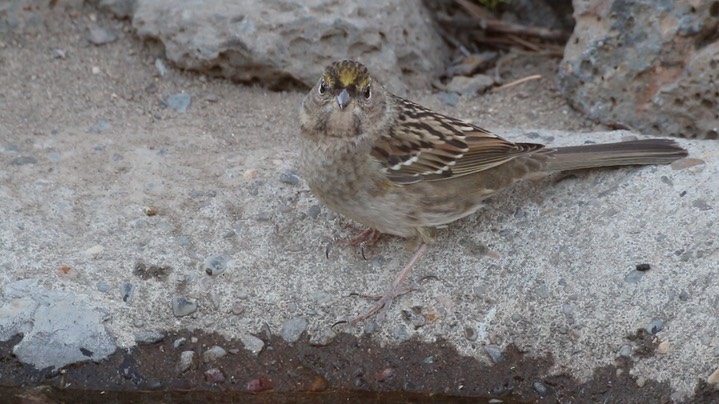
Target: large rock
{"points": [[281, 42], [58, 328], [652, 65]]}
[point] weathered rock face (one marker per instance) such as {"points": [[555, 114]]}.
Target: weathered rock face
{"points": [[649, 64], [281, 42]]}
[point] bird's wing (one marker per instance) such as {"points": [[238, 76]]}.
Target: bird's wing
{"points": [[427, 146]]}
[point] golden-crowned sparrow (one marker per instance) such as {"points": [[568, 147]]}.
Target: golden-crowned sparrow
{"points": [[402, 169]]}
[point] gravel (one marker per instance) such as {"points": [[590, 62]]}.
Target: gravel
{"points": [[293, 328], [494, 352], [655, 326], [179, 102], [214, 353], [252, 343], [181, 306]]}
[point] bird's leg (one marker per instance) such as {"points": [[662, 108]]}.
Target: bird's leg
{"points": [[396, 289], [367, 238]]}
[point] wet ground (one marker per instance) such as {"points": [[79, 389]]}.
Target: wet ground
{"points": [[349, 370]]}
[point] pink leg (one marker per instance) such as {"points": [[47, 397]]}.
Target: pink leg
{"points": [[394, 290], [367, 237]]}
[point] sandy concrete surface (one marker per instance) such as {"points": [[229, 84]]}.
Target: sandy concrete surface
{"points": [[115, 205]]}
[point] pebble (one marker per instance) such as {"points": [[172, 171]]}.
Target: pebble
{"points": [[643, 267], [95, 70], [186, 360], [289, 177], [23, 160], [322, 337], [213, 354], [102, 287], [714, 377], [540, 388], [683, 296], [161, 67], [663, 347], [252, 343], [100, 36], [470, 334], [260, 384], [625, 351], [148, 337], [470, 85], [400, 333], [641, 380], [212, 98], [179, 342], [370, 327], [95, 251], [250, 174], [655, 326], [314, 211], [214, 375], [215, 298], [634, 276], [494, 352], [293, 328], [181, 306], [127, 291], [237, 308], [179, 102], [215, 264], [568, 308], [58, 53]]}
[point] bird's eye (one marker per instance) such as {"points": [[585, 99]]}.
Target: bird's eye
{"points": [[323, 88], [367, 93]]}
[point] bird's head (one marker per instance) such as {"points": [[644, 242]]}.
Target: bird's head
{"points": [[344, 101]]}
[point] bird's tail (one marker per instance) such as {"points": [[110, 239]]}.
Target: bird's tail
{"points": [[634, 152]]}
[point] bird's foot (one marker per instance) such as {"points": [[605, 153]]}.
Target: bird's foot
{"points": [[396, 289], [367, 238]]}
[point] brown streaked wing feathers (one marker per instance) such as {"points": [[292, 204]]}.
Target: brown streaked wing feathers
{"points": [[426, 146]]}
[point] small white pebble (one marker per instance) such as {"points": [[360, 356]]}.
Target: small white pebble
{"points": [[95, 251]]}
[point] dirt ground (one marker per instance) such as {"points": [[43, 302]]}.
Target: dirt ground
{"points": [[54, 81]]}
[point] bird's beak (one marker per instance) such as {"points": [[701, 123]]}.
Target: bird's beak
{"points": [[343, 99]]}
